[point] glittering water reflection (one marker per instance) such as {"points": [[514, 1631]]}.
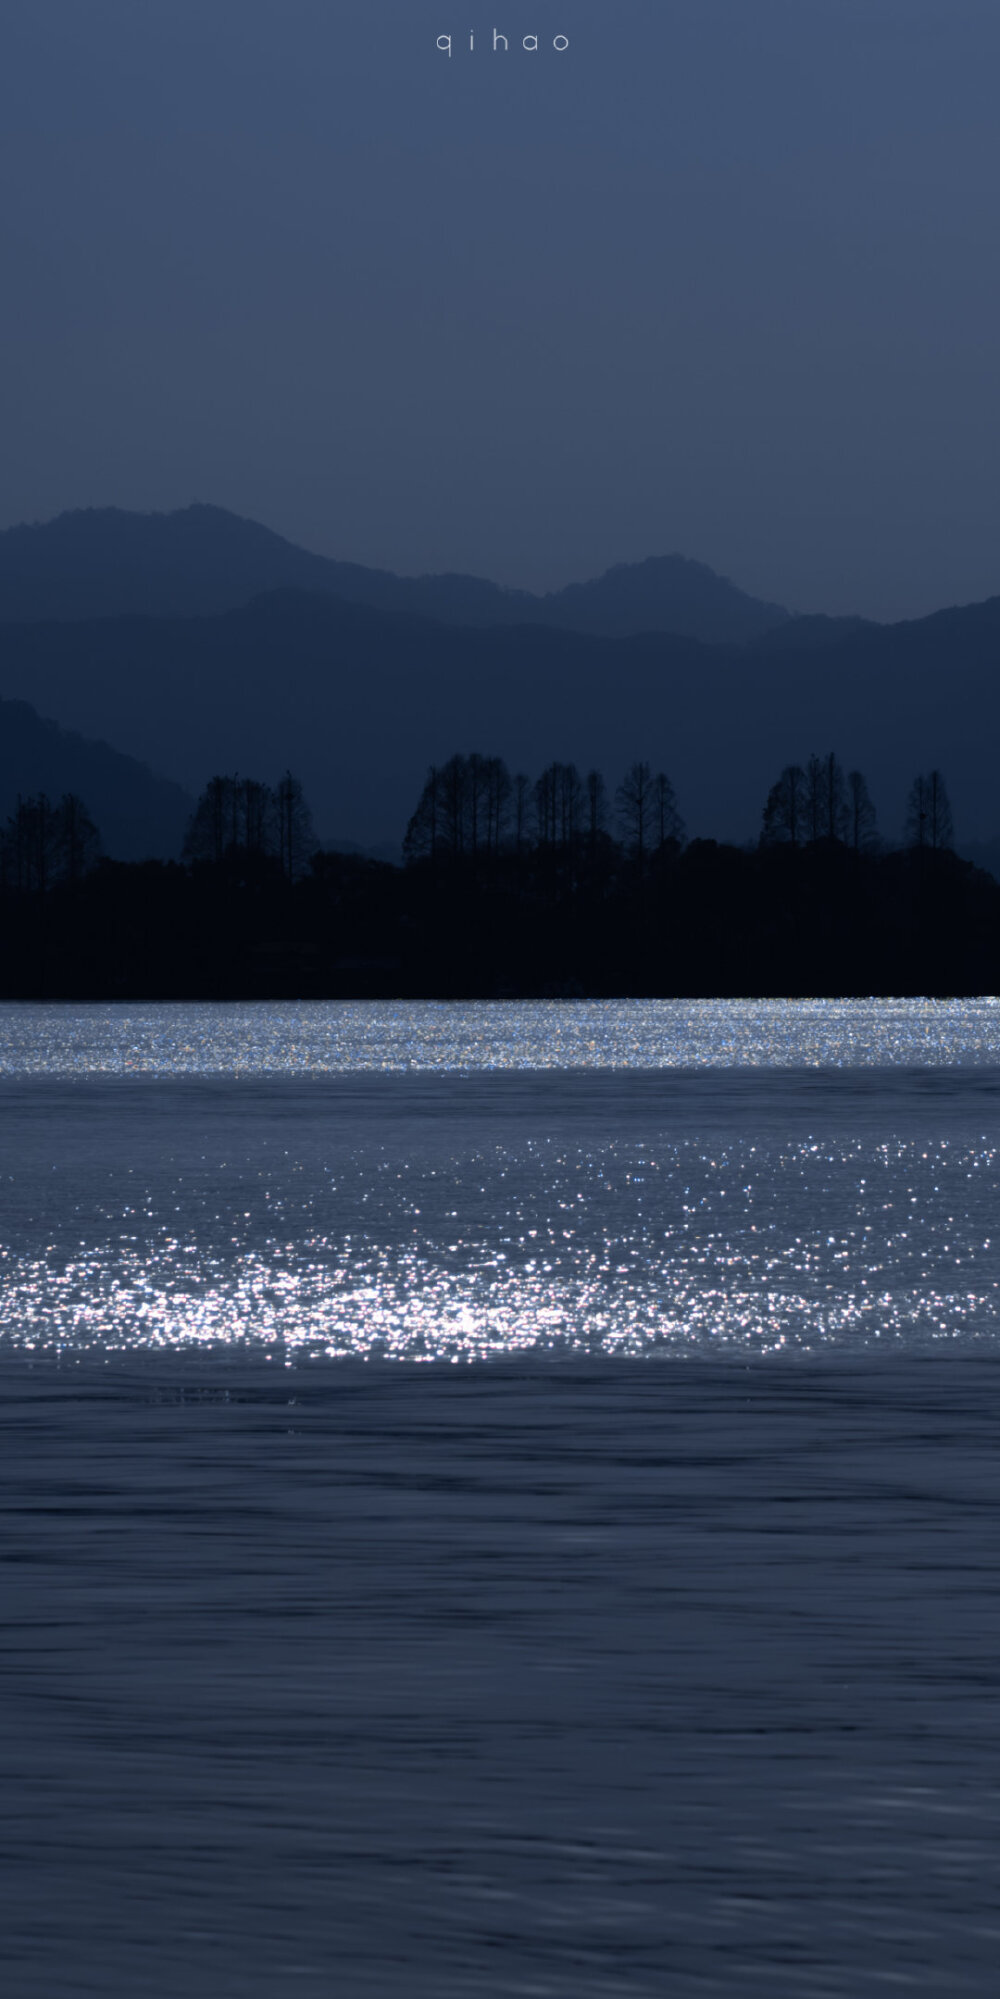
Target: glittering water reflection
{"points": [[433, 1218], [327, 1037]]}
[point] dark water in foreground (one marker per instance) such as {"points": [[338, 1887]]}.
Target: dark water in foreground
{"points": [[582, 1679], [500, 1501]]}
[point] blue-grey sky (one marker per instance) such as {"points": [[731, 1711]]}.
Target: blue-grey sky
{"points": [[721, 278]]}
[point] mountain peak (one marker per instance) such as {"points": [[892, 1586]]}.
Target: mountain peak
{"points": [[667, 593]]}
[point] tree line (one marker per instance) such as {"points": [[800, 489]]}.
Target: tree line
{"points": [[816, 801], [471, 808], [241, 815], [508, 886], [44, 843]]}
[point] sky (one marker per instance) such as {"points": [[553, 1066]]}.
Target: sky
{"points": [[720, 278]]}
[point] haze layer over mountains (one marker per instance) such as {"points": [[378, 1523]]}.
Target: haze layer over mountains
{"points": [[197, 642]]}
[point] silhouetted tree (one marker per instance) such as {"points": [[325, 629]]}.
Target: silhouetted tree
{"points": [[43, 843], [941, 823], [210, 832], [497, 796], [241, 816], [522, 800], [559, 802], [463, 810], [634, 807], [256, 803], [668, 826], [77, 840], [826, 816], [928, 816], [596, 806], [454, 784], [476, 792], [31, 845], [424, 830], [785, 811], [571, 804], [296, 838], [815, 799], [862, 833], [836, 814]]}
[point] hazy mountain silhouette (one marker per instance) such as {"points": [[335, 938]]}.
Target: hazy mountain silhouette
{"points": [[137, 814], [667, 593], [104, 562], [358, 703]]}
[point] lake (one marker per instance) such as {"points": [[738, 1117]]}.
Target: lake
{"points": [[500, 1499]]}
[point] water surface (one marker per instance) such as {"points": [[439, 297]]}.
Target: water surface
{"points": [[461, 1181], [594, 1681], [650, 1648], [283, 1039]]}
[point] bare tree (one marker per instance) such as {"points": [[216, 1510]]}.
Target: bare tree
{"points": [[522, 798], [477, 785], [423, 832], [916, 814], [210, 830], [571, 804], [497, 799], [942, 826], [928, 817], [546, 802], [463, 809], [635, 807], [296, 838], [862, 833], [455, 804], [257, 807], [78, 843], [826, 815], [241, 816], [835, 807], [668, 826], [814, 801], [42, 843], [784, 819], [596, 807], [31, 845]]}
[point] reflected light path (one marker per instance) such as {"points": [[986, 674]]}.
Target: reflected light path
{"points": [[622, 1245], [338, 1037]]}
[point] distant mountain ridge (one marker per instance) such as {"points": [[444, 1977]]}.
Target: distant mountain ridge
{"points": [[136, 813], [358, 702], [200, 560], [358, 697]]}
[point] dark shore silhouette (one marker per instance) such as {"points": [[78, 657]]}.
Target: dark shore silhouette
{"points": [[508, 888]]}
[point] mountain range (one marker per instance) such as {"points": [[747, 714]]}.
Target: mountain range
{"points": [[104, 562], [358, 697]]}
